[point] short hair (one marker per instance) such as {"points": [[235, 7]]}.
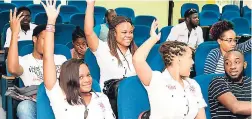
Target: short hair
{"points": [[78, 33], [234, 50], [190, 12], [219, 28], [38, 29], [23, 8], [108, 12]]}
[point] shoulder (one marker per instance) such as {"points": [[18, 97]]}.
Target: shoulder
{"points": [[214, 51], [218, 80], [33, 26]]}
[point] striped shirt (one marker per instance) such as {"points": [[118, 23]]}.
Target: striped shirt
{"points": [[214, 61], [221, 85]]}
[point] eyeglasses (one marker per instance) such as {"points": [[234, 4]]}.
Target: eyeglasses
{"points": [[229, 40]]}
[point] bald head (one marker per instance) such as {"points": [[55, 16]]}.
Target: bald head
{"points": [[234, 53]]}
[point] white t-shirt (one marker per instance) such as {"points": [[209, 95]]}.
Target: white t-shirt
{"points": [[98, 108], [21, 36], [33, 68], [169, 100], [180, 33], [109, 67]]}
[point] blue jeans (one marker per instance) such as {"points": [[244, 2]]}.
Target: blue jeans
{"points": [[27, 110]]}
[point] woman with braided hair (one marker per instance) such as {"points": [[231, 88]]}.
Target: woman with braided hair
{"points": [[224, 34], [172, 94]]}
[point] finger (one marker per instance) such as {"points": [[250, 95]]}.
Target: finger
{"points": [[152, 24], [19, 20], [50, 1], [18, 17], [10, 14], [47, 4], [54, 3], [58, 8], [15, 13], [43, 5]]}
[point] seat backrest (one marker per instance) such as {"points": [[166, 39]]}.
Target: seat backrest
{"points": [[4, 19], [44, 110], [229, 15], [211, 7], [99, 14], [80, 4], [227, 8], [245, 9], [93, 67], [187, 6], [20, 3], [77, 20], [63, 33], [247, 57], [132, 98], [3, 35], [41, 18], [144, 20], [203, 81], [125, 11], [155, 59], [208, 18], [35, 8], [7, 6], [141, 34], [165, 31], [67, 10], [201, 54], [241, 26], [58, 49], [23, 43], [247, 16]]}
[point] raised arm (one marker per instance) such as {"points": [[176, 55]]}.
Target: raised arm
{"points": [[12, 59], [143, 70], [49, 69], [92, 39]]}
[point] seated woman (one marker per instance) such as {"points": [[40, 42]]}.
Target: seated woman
{"points": [[79, 43], [172, 94], [224, 34], [71, 97]]}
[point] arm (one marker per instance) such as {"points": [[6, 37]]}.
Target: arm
{"points": [[48, 49], [229, 101], [200, 38], [211, 62], [201, 114], [92, 39], [12, 59], [245, 47], [143, 70]]}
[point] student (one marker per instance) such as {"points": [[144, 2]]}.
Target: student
{"points": [[230, 96], [79, 43], [188, 31], [29, 67], [224, 34], [171, 93], [102, 30], [115, 56], [71, 97]]}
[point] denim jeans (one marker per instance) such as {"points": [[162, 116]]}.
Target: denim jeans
{"points": [[27, 110]]}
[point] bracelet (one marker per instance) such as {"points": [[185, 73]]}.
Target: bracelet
{"points": [[51, 24], [50, 28]]}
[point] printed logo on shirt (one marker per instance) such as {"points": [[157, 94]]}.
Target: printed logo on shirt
{"points": [[171, 87], [102, 106], [192, 90], [38, 72]]}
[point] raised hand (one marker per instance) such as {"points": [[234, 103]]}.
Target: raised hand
{"points": [[51, 11], [15, 21], [154, 27], [90, 1]]}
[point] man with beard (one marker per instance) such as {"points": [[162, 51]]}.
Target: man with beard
{"points": [[26, 28], [188, 31], [230, 96]]}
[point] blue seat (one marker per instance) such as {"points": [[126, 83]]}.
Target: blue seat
{"points": [[211, 7], [63, 33], [144, 20], [208, 18], [201, 54], [131, 101], [247, 57], [67, 10], [91, 61], [77, 20], [155, 59], [20, 3], [141, 34], [241, 26], [247, 16], [125, 11], [187, 6], [80, 4], [41, 18], [99, 14], [229, 15], [58, 49], [35, 9], [7, 6], [3, 35], [4, 19], [245, 9], [165, 31], [227, 8], [44, 109], [203, 81]]}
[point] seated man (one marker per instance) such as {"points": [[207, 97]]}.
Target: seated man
{"points": [[230, 96], [188, 31], [102, 30], [26, 27], [29, 67]]}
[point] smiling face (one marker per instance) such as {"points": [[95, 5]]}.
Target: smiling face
{"points": [[227, 41], [85, 79], [124, 34]]}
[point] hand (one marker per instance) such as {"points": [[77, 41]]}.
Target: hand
{"points": [[92, 2], [154, 27], [51, 11], [15, 21]]}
